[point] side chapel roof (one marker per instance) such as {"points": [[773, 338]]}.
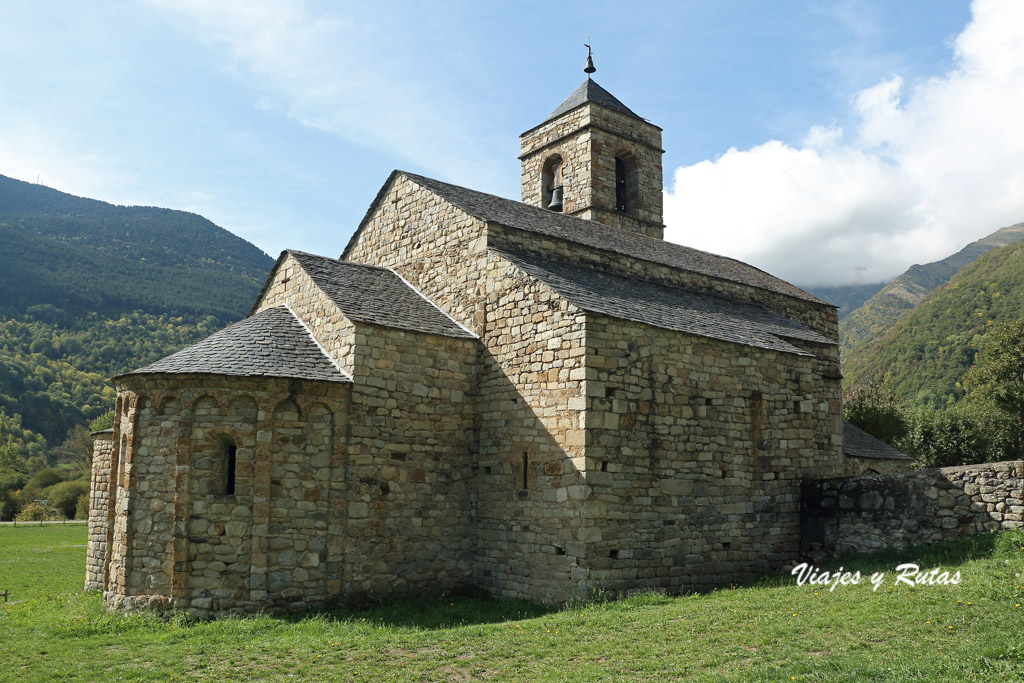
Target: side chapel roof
{"points": [[271, 343], [376, 295], [513, 214], [859, 444], [667, 307]]}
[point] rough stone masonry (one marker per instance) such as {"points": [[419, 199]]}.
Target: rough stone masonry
{"points": [[480, 392]]}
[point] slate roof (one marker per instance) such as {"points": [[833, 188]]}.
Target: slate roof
{"points": [[522, 216], [668, 307], [377, 295], [590, 91], [859, 444], [271, 343]]}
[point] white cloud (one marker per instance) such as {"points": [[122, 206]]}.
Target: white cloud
{"points": [[928, 169], [348, 73]]}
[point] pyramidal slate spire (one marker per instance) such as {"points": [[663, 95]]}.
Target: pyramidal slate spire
{"points": [[590, 91]]}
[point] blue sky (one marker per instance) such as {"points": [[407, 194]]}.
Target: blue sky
{"points": [[826, 142]]}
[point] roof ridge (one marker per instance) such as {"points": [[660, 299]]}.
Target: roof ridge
{"points": [[338, 261], [585, 225], [316, 341]]}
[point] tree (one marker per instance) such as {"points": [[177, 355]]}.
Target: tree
{"points": [[104, 421], [963, 434], [875, 409], [77, 447], [997, 377]]}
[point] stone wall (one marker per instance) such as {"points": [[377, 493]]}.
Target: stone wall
{"points": [[410, 472], [531, 450], [337, 490], [541, 531], [99, 495], [445, 265], [180, 537], [875, 511], [695, 452]]}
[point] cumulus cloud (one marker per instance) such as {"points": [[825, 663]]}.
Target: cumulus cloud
{"points": [[928, 168]]}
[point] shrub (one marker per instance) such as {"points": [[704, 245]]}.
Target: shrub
{"points": [[63, 497], [104, 421], [82, 507], [34, 512], [46, 478], [964, 434]]}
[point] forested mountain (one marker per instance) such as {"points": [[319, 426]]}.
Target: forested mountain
{"points": [[89, 290], [924, 355], [86, 256], [877, 315]]}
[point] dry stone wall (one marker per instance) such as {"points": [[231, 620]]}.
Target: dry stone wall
{"points": [[876, 511]]}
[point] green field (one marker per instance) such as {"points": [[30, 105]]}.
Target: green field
{"points": [[774, 630]]}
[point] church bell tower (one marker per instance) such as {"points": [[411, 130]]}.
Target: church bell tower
{"points": [[594, 158]]}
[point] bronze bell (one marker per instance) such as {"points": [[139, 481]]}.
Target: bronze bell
{"points": [[556, 199], [590, 68]]}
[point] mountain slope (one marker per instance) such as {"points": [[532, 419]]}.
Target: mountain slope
{"points": [[880, 312], [923, 356], [89, 290], [82, 255]]}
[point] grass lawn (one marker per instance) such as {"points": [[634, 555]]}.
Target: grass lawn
{"points": [[773, 630]]}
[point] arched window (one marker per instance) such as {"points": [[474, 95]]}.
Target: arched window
{"points": [[626, 195], [551, 180]]}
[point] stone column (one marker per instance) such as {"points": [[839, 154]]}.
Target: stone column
{"points": [[261, 502], [182, 510], [99, 498]]}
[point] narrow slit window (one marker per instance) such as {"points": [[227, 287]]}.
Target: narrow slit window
{"points": [[526, 466], [620, 185], [223, 483], [229, 474]]}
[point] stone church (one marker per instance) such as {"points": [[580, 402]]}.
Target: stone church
{"points": [[530, 397]]}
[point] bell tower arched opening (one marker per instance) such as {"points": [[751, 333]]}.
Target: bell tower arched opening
{"points": [[552, 187]]}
